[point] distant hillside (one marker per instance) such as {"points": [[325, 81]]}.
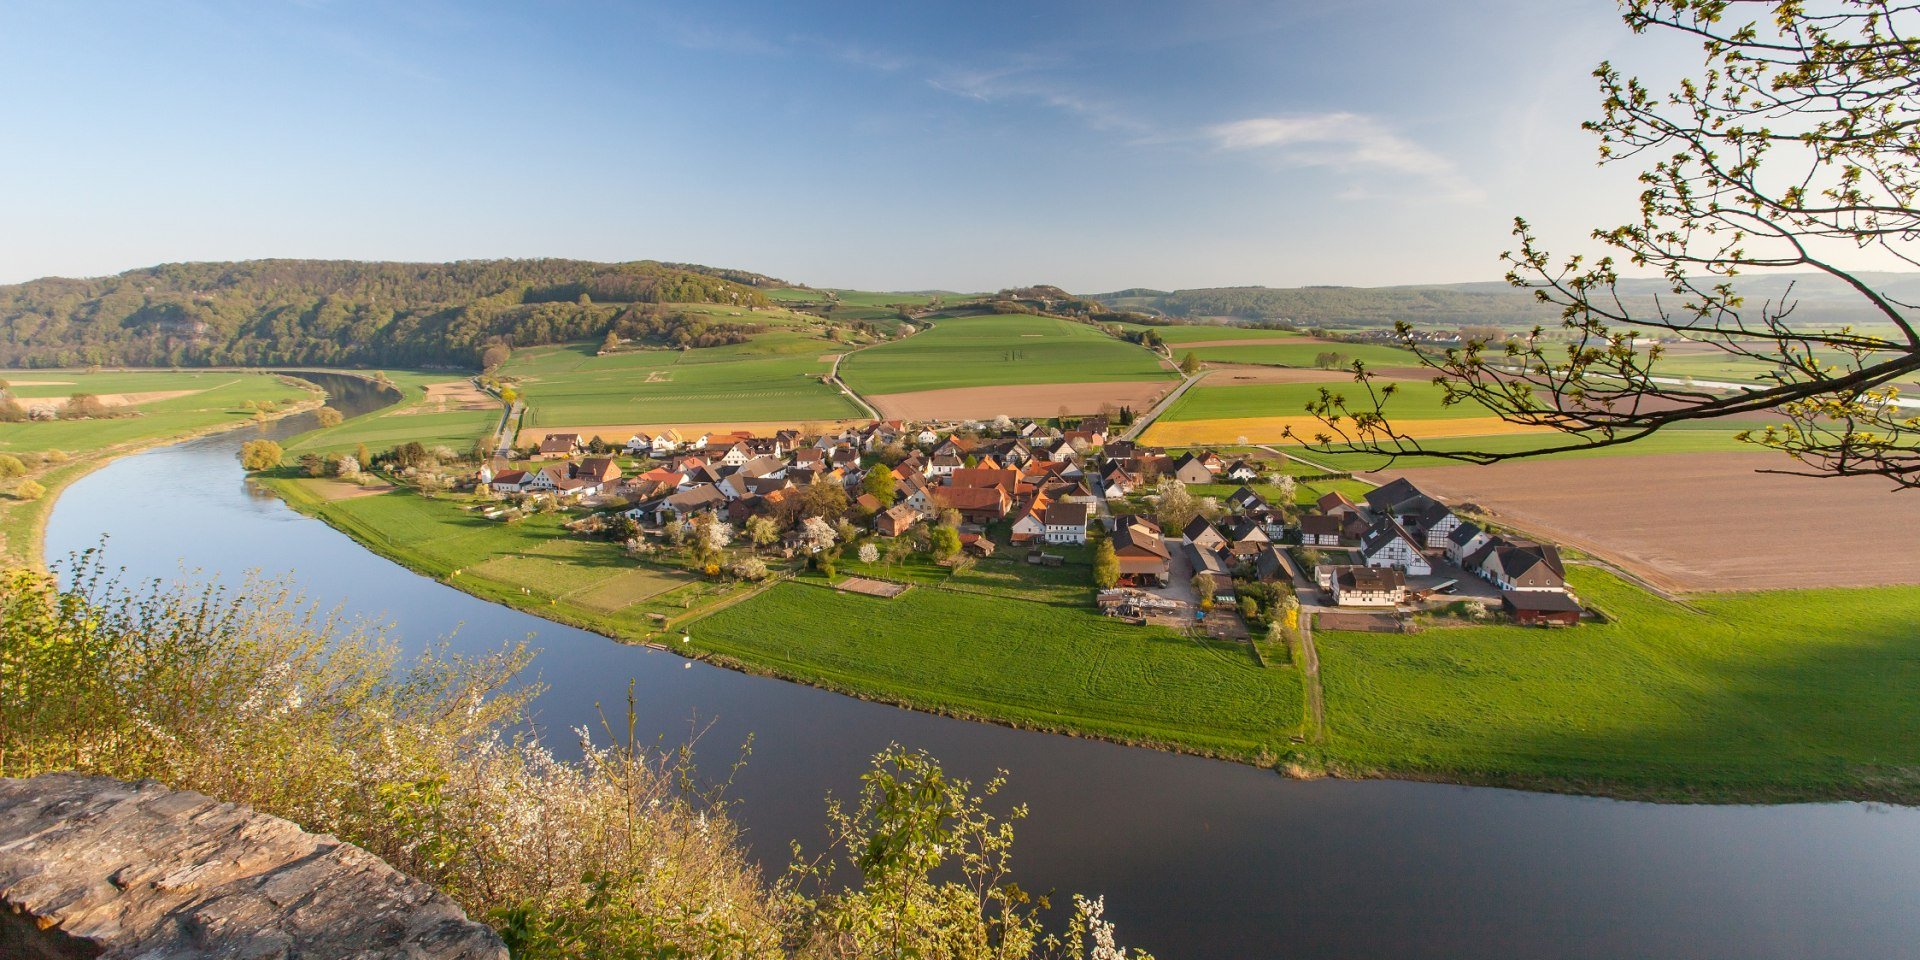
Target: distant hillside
{"points": [[339, 312], [1821, 298]]}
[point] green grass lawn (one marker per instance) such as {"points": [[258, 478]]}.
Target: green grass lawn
{"points": [[1034, 664], [1412, 399], [218, 401], [1779, 695], [996, 350], [774, 377]]}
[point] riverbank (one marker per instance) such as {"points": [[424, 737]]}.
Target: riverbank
{"points": [[1781, 696], [23, 524]]}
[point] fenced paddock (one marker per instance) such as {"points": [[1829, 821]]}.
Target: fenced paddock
{"points": [[872, 588]]}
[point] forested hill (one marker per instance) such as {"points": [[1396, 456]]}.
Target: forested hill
{"points": [[339, 312], [1820, 297]]}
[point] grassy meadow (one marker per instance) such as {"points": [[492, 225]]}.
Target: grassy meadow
{"points": [[776, 376], [1780, 695], [1043, 665], [1302, 351], [998, 350]]}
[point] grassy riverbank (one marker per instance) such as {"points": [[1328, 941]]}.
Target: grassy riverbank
{"points": [[168, 406]]}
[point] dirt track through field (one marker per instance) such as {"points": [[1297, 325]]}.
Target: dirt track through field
{"points": [[1702, 521], [1019, 400]]}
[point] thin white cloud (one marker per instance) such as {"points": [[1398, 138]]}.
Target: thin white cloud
{"points": [[1358, 144], [1022, 81]]}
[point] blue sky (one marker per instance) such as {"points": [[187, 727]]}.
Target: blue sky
{"points": [[894, 146]]}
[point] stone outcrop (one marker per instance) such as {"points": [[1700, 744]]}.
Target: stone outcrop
{"points": [[97, 867]]}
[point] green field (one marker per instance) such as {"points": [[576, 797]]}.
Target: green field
{"points": [[413, 418], [1697, 438], [1033, 664], [1412, 399], [1301, 353], [78, 446], [777, 376], [998, 350], [532, 564], [1782, 695]]}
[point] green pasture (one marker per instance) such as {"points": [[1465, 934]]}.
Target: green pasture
{"points": [[777, 376], [1776, 695], [1412, 399], [997, 350], [1035, 664]]}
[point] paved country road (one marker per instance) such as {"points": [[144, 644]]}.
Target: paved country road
{"points": [[1166, 403]]}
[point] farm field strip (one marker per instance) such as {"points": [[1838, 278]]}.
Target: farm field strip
{"points": [[1187, 433]]}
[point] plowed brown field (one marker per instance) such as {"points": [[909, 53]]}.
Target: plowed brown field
{"points": [[1702, 521]]}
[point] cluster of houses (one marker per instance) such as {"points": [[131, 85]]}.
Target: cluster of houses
{"points": [[1398, 531], [1049, 491]]}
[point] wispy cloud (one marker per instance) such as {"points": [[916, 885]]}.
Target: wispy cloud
{"points": [[1024, 80], [1358, 144]]}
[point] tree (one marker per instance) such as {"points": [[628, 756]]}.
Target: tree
{"points": [[1329, 360], [11, 411], [1175, 507], [869, 553], [1793, 149], [346, 466], [493, 356], [328, 417], [611, 343], [1288, 489], [749, 568], [880, 482], [827, 500], [1003, 424], [1203, 586], [944, 542], [11, 466], [816, 535], [623, 528], [1106, 565], [260, 455], [762, 531], [362, 454], [1190, 364], [949, 518], [85, 406], [28, 488]]}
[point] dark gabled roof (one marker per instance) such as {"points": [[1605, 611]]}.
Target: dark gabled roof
{"points": [[1540, 601], [696, 497], [1240, 528], [1197, 528], [1237, 464], [1245, 497], [1384, 530], [1066, 514], [1271, 564], [1393, 493], [1429, 515], [1369, 579], [1320, 525], [1464, 533]]}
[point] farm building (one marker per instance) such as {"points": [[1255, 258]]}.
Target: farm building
{"points": [[1388, 544], [1541, 607], [1142, 554], [1368, 586], [1066, 523]]}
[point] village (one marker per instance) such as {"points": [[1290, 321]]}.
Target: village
{"points": [[864, 497]]}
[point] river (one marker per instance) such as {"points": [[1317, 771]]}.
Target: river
{"points": [[1197, 858]]}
